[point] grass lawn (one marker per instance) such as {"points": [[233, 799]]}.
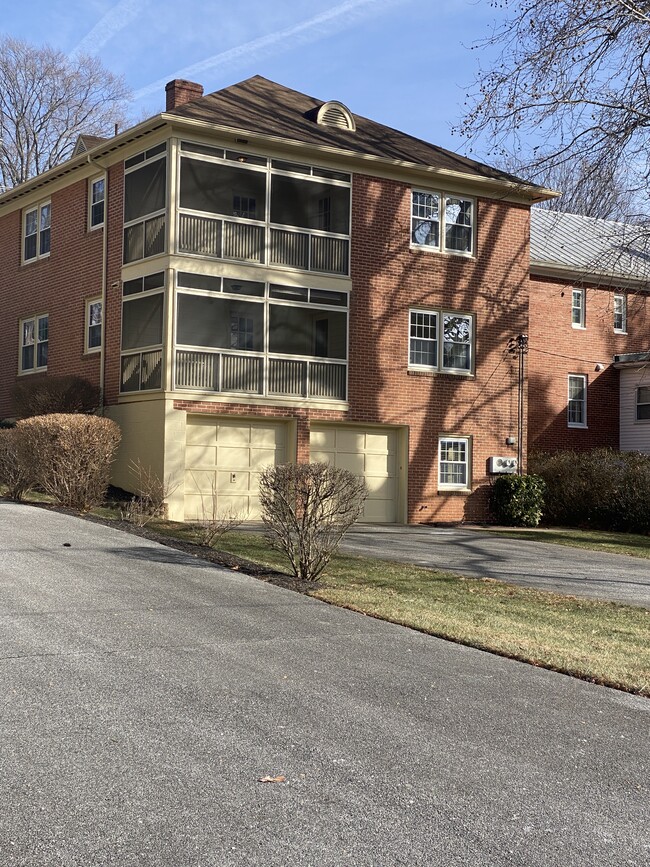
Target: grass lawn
{"points": [[596, 540], [598, 641]]}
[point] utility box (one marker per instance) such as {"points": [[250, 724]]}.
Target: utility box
{"points": [[498, 465]]}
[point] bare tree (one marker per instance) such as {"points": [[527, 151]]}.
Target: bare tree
{"points": [[573, 74], [46, 100]]}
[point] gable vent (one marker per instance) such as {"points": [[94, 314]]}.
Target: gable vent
{"points": [[335, 114]]}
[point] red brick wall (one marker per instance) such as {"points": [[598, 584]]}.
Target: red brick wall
{"points": [[557, 350], [388, 278], [58, 285]]}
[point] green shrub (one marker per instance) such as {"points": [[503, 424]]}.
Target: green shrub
{"points": [[518, 501], [13, 473], [54, 394], [69, 456], [602, 488]]}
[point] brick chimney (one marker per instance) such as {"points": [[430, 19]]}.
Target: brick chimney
{"points": [[179, 92]]}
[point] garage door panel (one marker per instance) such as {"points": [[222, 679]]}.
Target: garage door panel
{"points": [[381, 488], [201, 435], [231, 435], [379, 443], [197, 481], [324, 439], [381, 465], [201, 456], [267, 436], [233, 458], [323, 457], [350, 462], [380, 511], [262, 458], [234, 482], [350, 441]]}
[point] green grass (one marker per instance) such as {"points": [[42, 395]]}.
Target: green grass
{"points": [[596, 540], [598, 641]]}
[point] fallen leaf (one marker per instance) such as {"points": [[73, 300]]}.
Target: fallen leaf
{"points": [[278, 779]]}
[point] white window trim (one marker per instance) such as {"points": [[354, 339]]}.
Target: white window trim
{"points": [[38, 207], [91, 183], [446, 486], [443, 195], [581, 325], [439, 368], [623, 298], [638, 403], [35, 319], [87, 348], [573, 424]]}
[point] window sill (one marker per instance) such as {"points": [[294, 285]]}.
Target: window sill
{"points": [[578, 327], [443, 490], [414, 371], [32, 371], [422, 248], [43, 258], [577, 426]]}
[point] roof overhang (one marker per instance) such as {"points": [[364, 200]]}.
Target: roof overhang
{"points": [[631, 359], [610, 279]]}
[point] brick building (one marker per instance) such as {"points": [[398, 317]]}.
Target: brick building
{"points": [[589, 331], [255, 276]]}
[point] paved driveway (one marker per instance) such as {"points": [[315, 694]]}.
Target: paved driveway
{"points": [[485, 555], [145, 692]]}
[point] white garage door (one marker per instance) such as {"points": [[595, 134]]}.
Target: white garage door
{"points": [[367, 452], [227, 456]]}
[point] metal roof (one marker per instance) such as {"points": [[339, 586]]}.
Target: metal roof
{"points": [[588, 247]]}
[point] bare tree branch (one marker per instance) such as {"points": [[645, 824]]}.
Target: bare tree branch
{"points": [[46, 101]]}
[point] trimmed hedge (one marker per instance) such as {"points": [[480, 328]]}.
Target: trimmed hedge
{"points": [[54, 394], [13, 473], [603, 489], [518, 501], [69, 456]]}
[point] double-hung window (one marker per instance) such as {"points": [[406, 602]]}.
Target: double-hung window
{"points": [[577, 401], [96, 200], [34, 335], [442, 222], [643, 403], [454, 463], [36, 232], [441, 340], [620, 314], [93, 325], [578, 308]]}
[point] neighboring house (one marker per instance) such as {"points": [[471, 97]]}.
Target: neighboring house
{"points": [[589, 333], [257, 276]]}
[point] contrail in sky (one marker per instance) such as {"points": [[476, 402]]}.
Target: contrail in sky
{"points": [[310, 30], [116, 19]]}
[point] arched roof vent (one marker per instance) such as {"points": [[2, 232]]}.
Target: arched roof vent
{"points": [[335, 114]]}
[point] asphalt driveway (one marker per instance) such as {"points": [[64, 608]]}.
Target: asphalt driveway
{"points": [[146, 692], [481, 554]]}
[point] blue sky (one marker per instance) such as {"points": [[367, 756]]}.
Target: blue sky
{"points": [[405, 63]]}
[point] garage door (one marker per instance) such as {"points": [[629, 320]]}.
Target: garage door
{"points": [[228, 456], [367, 452]]}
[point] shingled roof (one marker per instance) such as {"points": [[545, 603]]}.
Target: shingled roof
{"points": [[262, 107], [588, 247]]}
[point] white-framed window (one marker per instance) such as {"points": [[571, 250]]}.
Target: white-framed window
{"points": [[454, 463], [36, 232], [577, 400], [441, 340], [643, 403], [620, 314], [94, 309], [442, 222], [34, 336], [578, 308], [96, 202]]}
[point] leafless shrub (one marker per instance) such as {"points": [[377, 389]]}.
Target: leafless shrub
{"points": [[151, 493], [215, 523], [306, 509], [54, 394], [69, 456], [13, 472]]}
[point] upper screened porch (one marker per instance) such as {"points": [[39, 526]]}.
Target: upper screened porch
{"points": [[238, 207]]}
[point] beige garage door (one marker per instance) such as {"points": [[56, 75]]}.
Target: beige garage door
{"points": [[367, 452], [228, 456]]}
